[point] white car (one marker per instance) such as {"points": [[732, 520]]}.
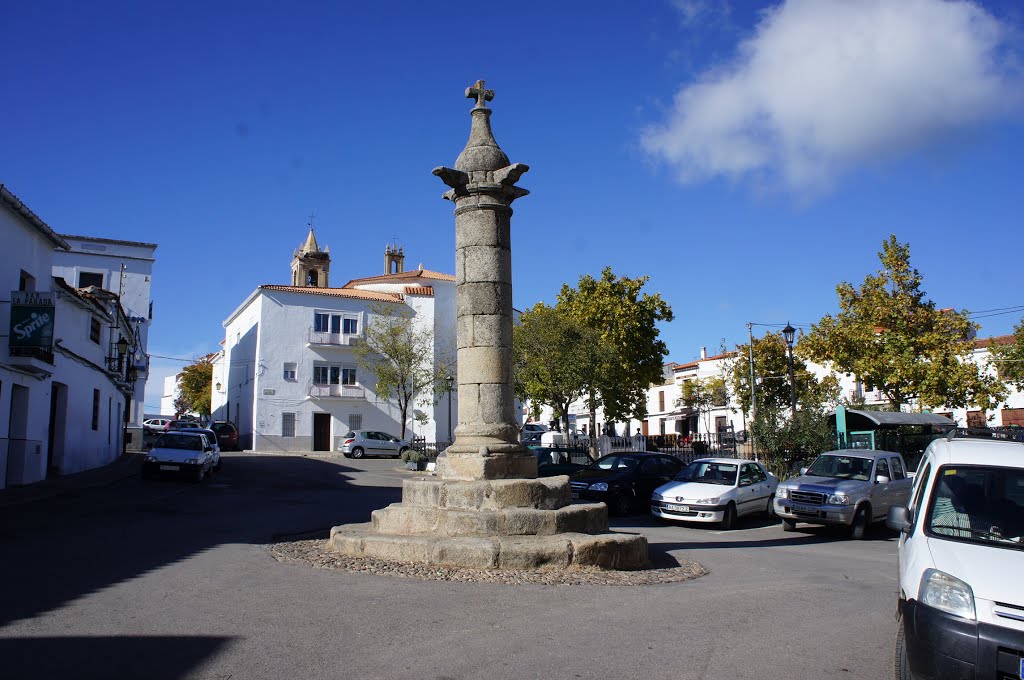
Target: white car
{"points": [[716, 490], [961, 558], [187, 453], [156, 424]]}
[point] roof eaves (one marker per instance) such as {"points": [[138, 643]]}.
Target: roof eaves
{"points": [[18, 206]]}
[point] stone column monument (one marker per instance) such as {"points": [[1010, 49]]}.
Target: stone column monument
{"points": [[486, 508]]}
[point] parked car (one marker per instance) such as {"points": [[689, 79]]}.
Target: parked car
{"points": [[624, 481], [188, 453], [155, 424], [852, 488], [552, 462], [716, 490], [359, 443], [183, 424], [534, 427], [961, 555], [211, 437], [227, 434]]}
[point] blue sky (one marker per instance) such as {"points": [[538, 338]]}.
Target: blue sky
{"points": [[746, 156]]}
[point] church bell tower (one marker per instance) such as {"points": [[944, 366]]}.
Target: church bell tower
{"points": [[394, 259], [310, 265]]}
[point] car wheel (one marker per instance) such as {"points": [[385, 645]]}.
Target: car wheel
{"points": [[788, 525], [622, 505], [900, 665], [402, 451], [357, 452], [769, 512], [729, 518], [859, 528]]}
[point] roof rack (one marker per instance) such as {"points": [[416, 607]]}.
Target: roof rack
{"points": [[997, 434]]}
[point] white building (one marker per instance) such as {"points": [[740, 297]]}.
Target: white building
{"points": [[286, 375], [66, 374]]}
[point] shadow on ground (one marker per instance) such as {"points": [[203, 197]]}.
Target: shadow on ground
{"points": [[60, 549]]}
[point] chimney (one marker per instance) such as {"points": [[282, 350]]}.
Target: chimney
{"points": [[703, 353]]}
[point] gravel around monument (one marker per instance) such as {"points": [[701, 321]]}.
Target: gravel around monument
{"points": [[317, 553]]}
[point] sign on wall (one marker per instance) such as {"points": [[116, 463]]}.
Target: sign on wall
{"points": [[32, 315]]}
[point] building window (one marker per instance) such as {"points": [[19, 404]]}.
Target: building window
{"points": [[86, 279], [289, 372], [287, 424], [355, 421], [321, 322], [95, 409], [94, 330], [324, 374], [350, 325], [976, 419], [661, 402], [26, 282], [320, 375], [348, 376], [721, 423]]}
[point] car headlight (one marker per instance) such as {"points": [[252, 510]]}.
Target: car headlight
{"points": [[838, 499], [150, 459], [657, 497], [191, 461], [599, 486], [782, 492], [947, 593], [708, 501]]}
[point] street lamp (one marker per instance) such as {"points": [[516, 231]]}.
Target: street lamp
{"points": [[450, 380], [787, 334]]}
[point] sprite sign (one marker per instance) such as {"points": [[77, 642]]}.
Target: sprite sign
{"points": [[32, 319]]}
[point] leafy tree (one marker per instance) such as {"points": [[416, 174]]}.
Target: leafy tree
{"points": [[784, 441], [894, 339], [195, 386], [625, 320], [771, 369], [1009, 358], [556, 358], [704, 395], [400, 353]]}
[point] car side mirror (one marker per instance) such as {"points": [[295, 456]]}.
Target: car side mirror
{"points": [[881, 479], [898, 519], [803, 471]]}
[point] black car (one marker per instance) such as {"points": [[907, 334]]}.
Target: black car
{"points": [[624, 481], [552, 462]]}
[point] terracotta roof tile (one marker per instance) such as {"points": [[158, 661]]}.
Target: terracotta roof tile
{"points": [[337, 292], [401, 276], [998, 340], [419, 290]]}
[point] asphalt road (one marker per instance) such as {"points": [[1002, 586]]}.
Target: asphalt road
{"points": [[171, 580]]}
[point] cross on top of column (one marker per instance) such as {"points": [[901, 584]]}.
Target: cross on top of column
{"points": [[480, 94]]}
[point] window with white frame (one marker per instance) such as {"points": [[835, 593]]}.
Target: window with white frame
{"points": [[333, 374], [290, 371], [350, 325], [348, 376], [327, 322], [287, 424]]}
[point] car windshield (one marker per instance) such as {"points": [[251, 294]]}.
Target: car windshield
{"points": [[179, 441], [222, 427], [704, 472], [978, 504], [841, 467], [616, 463]]}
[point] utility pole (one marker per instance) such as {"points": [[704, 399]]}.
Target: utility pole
{"points": [[753, 391]]}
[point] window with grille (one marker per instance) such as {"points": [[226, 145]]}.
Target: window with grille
{"points": [[287, 424], [355, 421]]}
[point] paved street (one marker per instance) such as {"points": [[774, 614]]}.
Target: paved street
{"points": [[171, 580]]}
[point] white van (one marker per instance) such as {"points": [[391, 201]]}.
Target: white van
{"points": [[961, 563]]}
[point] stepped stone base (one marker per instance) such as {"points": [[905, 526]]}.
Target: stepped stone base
{"points": [[492, 524], [560, 551]]}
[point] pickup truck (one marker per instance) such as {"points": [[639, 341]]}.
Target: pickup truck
{"points": [[852, 487]]}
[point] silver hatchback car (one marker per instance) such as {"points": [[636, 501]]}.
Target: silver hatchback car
{"points": [[359, 443]]}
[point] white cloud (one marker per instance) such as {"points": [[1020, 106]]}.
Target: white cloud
{"points": [[827, 85]]}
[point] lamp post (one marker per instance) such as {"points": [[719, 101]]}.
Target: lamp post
{"points": [[450, 379], [787, 334]]}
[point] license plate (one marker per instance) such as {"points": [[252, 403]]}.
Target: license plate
{"points": [[575, 494], [679, 508], [1021, 674], [169, 467], [798, 507]]}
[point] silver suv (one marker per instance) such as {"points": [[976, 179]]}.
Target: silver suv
{"points": [[359, 443], [852, 488]]}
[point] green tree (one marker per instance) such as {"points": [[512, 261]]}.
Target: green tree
{"points": [[771, 370], [1009, 358], [891, 337], [195, 386], [625, 320], [784, 441], [703, 395], [556, 358], [400, 353]]}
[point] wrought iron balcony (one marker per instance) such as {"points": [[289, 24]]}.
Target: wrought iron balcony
{"points": [[336, 391]]}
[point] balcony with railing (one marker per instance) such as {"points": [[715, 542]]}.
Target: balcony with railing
{"points": [[329, 339], [320, 391]]}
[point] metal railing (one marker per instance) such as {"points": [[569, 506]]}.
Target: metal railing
{"points": [[315, 337], [336, 391]]}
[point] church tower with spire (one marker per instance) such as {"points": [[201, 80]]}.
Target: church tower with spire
{"points": [[311, 266]]}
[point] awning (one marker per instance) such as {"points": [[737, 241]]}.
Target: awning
{"points": [[894, 418]]}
